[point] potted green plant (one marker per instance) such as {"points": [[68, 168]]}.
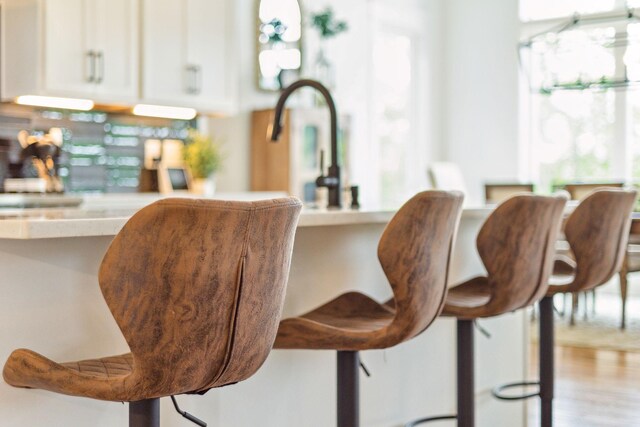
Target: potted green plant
{"points": [[328, 27], [327, 24], [202, 156]]}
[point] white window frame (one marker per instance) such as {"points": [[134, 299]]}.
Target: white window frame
{"points": [[621, 158], [384, 16]]}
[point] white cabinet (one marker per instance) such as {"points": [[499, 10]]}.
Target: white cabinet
{"points": [[122, 52], [67, 39], [117, 50], [188, 54], [77, 48]]}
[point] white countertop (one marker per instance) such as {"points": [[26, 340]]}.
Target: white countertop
{"points": [[106, 215]]}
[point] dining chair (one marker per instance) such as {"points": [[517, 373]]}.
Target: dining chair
{"points": [[496, 193], [580, 190], [447, 176]]}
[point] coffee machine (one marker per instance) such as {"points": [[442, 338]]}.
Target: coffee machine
{"points": [[39, 158]]}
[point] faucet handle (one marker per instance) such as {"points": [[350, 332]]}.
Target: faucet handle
{"points": [[321, 162], [321, 181]]}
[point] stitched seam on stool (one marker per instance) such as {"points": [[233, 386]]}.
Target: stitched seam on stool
{"points": [[236, 308], [541, 271]]}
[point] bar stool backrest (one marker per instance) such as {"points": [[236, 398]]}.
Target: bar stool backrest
{"points": [[598, 233], [517, 246], [197, 289], [415, 251]]}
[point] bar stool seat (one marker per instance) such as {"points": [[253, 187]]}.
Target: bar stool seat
{"points": [[100, 378], [414, 253], [468, 298], [595, 232], [564, 272], [109, 367], [348, 316], [197, 289]]}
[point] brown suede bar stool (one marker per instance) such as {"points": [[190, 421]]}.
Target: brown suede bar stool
{"points": [[197, 289], [414, 252], [597, 232], [516, 245]]}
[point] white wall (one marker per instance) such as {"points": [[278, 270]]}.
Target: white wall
{"points": [[481, 91], [235, 131]]}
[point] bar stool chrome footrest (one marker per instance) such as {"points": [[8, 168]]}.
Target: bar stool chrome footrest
{"points": [[187, 415], [431, 419], [498, 391]]}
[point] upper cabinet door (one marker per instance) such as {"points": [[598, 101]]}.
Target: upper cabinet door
{"points": [[116, 45], [187, 59], [164, 52], [209, 52], [91, 49], [68, 38]]}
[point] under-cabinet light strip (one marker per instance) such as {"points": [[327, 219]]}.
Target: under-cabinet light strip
{"points": [[53, 102], [164, 112]]}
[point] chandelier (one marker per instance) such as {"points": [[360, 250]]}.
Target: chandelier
{"points": [[584, 53]]}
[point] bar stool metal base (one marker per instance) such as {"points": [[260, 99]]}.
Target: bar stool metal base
{"points": [[547, 359], [498, 391], [186, 415], [145, 413], [431, 419], [465, 380], [348, 389], [546, 382]]}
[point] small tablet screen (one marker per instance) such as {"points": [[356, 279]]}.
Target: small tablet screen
{"points": [[178, 179]]}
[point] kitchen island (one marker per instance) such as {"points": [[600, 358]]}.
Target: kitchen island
{"points": [[51, 303]]}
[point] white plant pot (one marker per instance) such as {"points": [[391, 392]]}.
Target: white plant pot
{"points": [[204, 186]]}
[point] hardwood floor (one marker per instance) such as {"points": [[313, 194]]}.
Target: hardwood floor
{"points": [[594, 388]]}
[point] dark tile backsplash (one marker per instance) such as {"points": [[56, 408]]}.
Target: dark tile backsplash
{"points": [[101, 153]]}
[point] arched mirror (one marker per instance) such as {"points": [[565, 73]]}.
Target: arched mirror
{"points": [[279, 43]]}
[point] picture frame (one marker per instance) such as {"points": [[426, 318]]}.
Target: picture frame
{"points": [[174, 179]]}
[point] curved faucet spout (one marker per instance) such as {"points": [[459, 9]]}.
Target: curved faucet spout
{"points": [[332, 180]]}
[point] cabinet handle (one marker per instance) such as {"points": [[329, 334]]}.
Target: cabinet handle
{"points": [[187, 79], [100, 61], [92, 66], [191, 79], [197, 71]]}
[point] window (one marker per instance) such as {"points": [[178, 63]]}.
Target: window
{"points": [[583, 134], [393, 106], [574, 135], [397, 86], [532, 10]]}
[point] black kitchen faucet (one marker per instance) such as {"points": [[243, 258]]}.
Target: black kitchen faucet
{"points": [[332, 179]]}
